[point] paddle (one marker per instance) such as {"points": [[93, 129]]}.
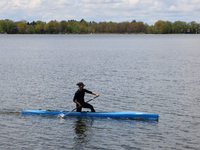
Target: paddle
{"points": [[63, 115]]}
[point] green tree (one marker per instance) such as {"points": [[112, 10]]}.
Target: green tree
{"points": [[90, 30], [22, 26], [39, 27], [140, 27], [158, 26], [7, 26], [122, 27], [94, 26], [75, 27], [84, 23], [198, 28], [166, 27], [63, 26], [101, 27], [111, 27], [82, 28], [179, 27], [193, 27], [30, 29], [151, 30], [1, 28], [132, 27], [146, 28], [52, 27], [68, 29]]}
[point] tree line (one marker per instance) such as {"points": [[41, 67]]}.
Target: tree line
{"points": [[84, 27]]}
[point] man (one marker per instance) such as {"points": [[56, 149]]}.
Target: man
{"points": [[79, 98]]}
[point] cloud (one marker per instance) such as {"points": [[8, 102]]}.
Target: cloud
{"points": [[133, 1], [100, 1], [147, 11], [172, 8]]}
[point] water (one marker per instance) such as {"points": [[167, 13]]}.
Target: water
{"points": [[148, 73]]}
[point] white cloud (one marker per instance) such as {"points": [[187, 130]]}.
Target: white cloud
{"points": [[100, 1], [34, 3], [154, 6], [132, 2], [172, 8], [3, 3]]}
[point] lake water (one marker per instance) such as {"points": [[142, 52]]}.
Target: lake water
{"points": [[147, 73]]}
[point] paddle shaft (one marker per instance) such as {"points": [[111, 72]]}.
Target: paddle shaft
{"points": [[81, 106]]}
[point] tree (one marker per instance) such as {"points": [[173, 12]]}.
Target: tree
{"points": [[146, 28], [68, 29], [193, 27], [140, 27], [7, 26], [82, 28], [40, 22], [111, 27], [22, 26], [198, 28], [75, 27], [179, 27], [94, 26], [52, 27], [63, 26], [30, 29], [39, 27], [101, 27], [166, 27], [90, 30], [158, 26], [151, 30], [33, 23], [84, 23], [122, 28], [132, 27], [1, 28]]}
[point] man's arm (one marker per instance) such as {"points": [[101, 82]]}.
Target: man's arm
{"points": [[75, 100], [87, 91], [77, 103], [95, 94]]}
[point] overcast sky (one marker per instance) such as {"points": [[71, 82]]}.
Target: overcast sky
{"points": [[148, 11]]}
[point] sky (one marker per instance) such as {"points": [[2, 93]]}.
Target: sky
{"points": [[147, 11]]}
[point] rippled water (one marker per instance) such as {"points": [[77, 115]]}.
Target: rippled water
{"points": [[149, 73]]}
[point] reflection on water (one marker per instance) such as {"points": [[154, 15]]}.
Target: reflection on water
{"points": [[83, 131]]}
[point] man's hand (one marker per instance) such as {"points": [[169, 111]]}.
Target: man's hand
{"points": [[78, 103], [95, 94]]}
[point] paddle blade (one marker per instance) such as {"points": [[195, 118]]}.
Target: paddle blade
{"points": [[61, 115]]}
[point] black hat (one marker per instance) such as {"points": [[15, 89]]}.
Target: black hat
{"points": [[80, 84]]}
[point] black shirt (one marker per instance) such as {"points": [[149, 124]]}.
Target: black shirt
{"points": [[79, 96]]}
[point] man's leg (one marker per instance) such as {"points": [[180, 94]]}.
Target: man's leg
{"points": [[78, 109], [86, 105]]}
